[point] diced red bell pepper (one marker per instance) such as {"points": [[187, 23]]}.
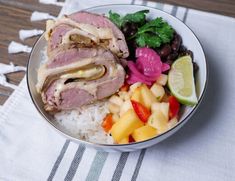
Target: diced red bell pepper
{"points": [[142, 112], [107, 123], [174, 106], [131, 139]]}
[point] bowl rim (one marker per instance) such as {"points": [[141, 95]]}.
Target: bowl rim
{"points": [[103, 145]]}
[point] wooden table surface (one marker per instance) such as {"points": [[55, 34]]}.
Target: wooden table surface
{"points": [[15, 15]]}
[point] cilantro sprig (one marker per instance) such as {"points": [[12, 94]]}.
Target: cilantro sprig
{"points": [[137, 17], [152, 34]]}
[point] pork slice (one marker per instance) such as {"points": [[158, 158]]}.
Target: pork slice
{"points": [[93, 28], [103, 22], [75, 94], [66, 59], [61, 57], [74, 98], [56, 36]]}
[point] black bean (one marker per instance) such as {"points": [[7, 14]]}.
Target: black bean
{"points": [[125, 31], [172, 56], [129, 29], [132, 45], [187, 52], [157, 50], [132, 33], [134, 26], [165, 50], [195, 68], [170, 62], [182, 48], [176, 42]]}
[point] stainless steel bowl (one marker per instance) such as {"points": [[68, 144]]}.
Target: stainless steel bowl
{"points": [[189, 40]]}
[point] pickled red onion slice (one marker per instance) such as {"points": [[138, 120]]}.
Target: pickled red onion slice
{"points": [[148, 66], [165, 67], [133, 79], [147, 53], [133, 70]]}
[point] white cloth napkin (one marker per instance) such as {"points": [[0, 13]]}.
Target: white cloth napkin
{"points": [[204, 149]]}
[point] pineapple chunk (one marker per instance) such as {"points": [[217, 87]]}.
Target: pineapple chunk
{"points": [[158, 121], [144, 133], [116, 100], [127, 123], [158, 91], [113, 108], [135, 86], [124, 141], [162, 79], [136, 96], [172, 123], [125, 107], [147, 96], [163, 107]]}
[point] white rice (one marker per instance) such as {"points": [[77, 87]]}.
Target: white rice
{"points": [[85, 123]]}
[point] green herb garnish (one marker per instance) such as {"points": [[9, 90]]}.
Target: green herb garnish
{"points": [[137, 17], [154, 33], [115, 18]]}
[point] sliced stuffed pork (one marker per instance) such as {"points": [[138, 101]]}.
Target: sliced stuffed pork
{"points": [[84, 54], [79, 76], [86, 29]]}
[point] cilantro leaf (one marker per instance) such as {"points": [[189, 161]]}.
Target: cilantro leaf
{"points": [[148, 40], [116, 18], [154, 33], [137, 17]]}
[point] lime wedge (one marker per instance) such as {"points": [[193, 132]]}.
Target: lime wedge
{"points": [[181, 81]]}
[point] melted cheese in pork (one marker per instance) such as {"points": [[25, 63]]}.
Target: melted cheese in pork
{"points": [[94, 33], [91, 88], [91, 73]]}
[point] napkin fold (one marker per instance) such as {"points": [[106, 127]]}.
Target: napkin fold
{"points": [[202, 150]]}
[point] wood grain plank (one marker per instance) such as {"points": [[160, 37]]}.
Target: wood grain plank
{"points": [[15, 15], [32, 5]]}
